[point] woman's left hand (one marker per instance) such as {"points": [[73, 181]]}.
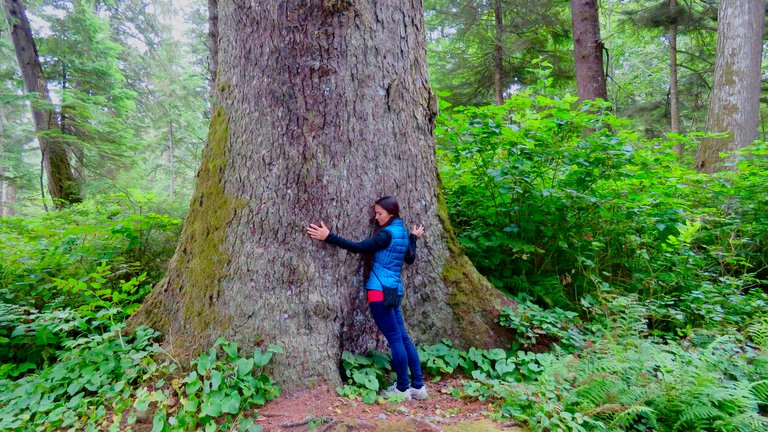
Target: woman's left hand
{"points": [[418, 230], [318, 232]]}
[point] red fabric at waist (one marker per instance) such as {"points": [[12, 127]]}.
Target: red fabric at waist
{"points": [[375, 296]]}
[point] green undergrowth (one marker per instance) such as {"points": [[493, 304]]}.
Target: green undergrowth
{"points": [[553, 199], [113, 238], [106, 381], [612, 372]]}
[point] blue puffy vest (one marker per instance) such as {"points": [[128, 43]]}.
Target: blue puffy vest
{"points": [[388, 262]]}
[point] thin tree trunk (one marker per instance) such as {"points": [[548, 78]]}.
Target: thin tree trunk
{"points": [[62, 186], [213, 40], [498, 53], [320, 108], [588, 50], [674, 99], [735, 102], [171, 189], [7, 189]]}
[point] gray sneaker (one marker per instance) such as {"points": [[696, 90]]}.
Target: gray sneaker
{"points": [[419, 394], [393, 392]]}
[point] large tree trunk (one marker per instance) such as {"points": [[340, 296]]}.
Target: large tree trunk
{"points": [[62, 186], [321, 107], [588, 50], [735, 102], [498, 53]]}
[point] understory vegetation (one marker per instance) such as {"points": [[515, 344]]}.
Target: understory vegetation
{"points": [[639, 288]]}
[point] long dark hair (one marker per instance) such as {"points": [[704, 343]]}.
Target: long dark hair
{"points": [[389, 204]]}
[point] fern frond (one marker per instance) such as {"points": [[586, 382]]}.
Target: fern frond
{"points": [[629, 416], [760, 390], [695, 416]]}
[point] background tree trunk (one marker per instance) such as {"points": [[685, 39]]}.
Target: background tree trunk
{"points": [[674, 98], [735, 102], [172, 174], [321, 107], [213, 40], [498, 54], [62, 185], [7, 189], [588, 50]]}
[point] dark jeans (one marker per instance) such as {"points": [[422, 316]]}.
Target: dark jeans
{"points": [[404, 355]]}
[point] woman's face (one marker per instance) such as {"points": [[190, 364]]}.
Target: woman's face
{"points": [[382, 216]]}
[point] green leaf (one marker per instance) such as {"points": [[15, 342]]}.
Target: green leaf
{"points": [[231, 403], [244, 367], [191, 405], [261, 358], [211, 407], [369, 396], [158, 422], [216, 378], [231, 350], [203, 364]]}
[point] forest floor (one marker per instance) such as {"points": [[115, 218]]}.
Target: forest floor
{"points": [[321, 409]]}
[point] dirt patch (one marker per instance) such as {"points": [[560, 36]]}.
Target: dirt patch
{"points": [[321, 409]]}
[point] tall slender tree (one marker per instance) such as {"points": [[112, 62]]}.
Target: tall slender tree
{"points": [[479, 48], [498, 53], [62, 185], [588, 50], [735, 102], [320, 107]]}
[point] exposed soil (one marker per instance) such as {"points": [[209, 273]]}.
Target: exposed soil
{"points": [[321, 409]]}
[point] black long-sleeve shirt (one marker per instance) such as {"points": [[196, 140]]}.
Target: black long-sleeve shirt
{"points": [[373, 244]]}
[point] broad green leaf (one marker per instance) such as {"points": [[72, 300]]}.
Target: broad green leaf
{"points": [[231, 403]]}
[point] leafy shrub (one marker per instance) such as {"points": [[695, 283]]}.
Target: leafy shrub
{"points": [[555, 201], [215, 393], [74, 243], [29, 337], [93, 372], [534, 325], [364, 375]]}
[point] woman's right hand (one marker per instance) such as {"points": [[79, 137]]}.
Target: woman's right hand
{"points": [[318, 232], [418, 230]]}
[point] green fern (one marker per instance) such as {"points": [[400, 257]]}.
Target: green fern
{"points": [[697, 417], [760, 391], [758, 332]]}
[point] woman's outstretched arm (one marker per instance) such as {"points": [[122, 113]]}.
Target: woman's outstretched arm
{"points": [[369, 245]]}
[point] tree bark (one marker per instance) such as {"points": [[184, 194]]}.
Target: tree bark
{"points": [[734, 106], [62, 185], [498, 54], [213, 40], [321, 107], [588, 50]]}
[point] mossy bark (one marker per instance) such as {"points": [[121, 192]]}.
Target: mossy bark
{"points": [[322, 107], [734, 105]]}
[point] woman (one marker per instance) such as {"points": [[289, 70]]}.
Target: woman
{"points": [[390, 246]]}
